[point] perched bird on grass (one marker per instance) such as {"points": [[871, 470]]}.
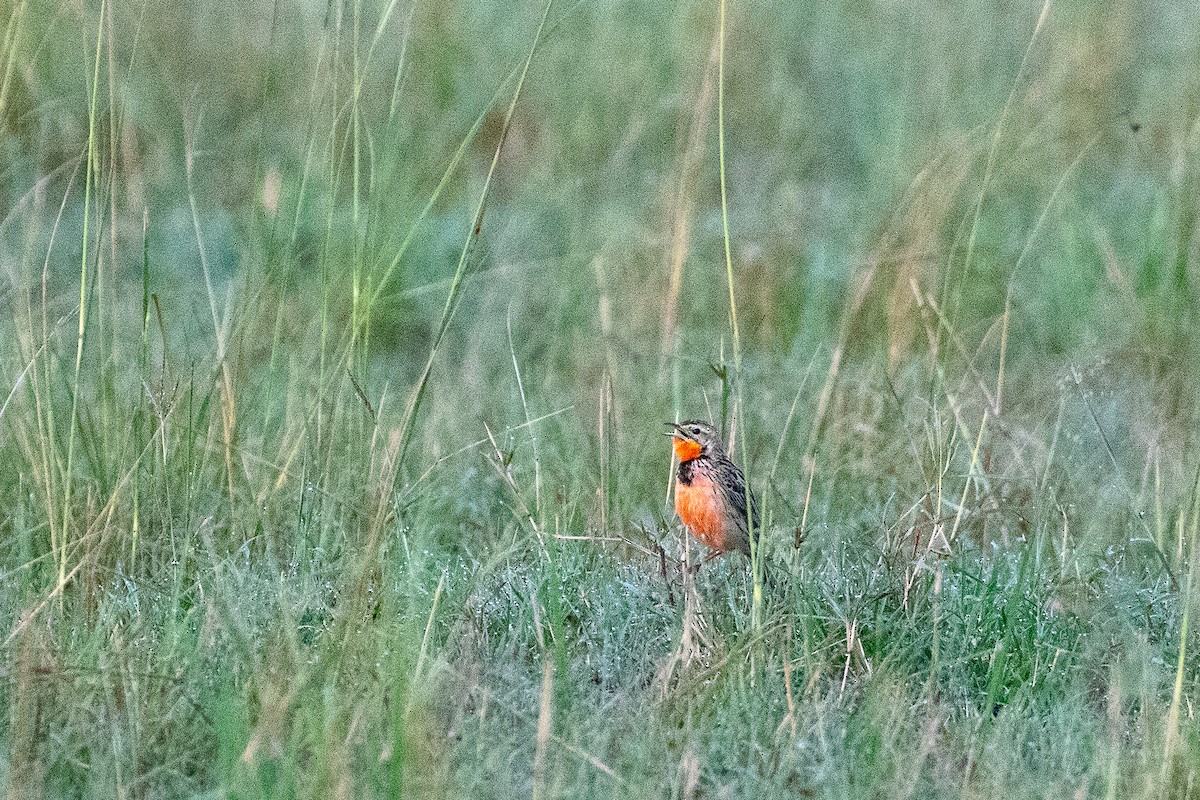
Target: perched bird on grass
{"points": [[710, 491]]}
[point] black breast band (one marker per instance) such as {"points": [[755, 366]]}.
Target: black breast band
{"points": [[687, 472]]}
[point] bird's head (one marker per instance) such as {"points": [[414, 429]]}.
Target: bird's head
{"points": [[693, 438]]}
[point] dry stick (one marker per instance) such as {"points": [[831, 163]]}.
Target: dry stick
{"points": [[957, 409], [457, 158], [790, 718], [68, 484], [752, 524], [807, 498], [733, 320], [41, 400], [1037, 226], [11, 33], [220, 326], [853, 303], [810, 457], [926, 300], [401, 61], [28, 367], [499, 463], [682, 211], [545, 728], [604, 424], [384, 19], [966, 483], [46, 428], [104, 515], [987, 175], [787, 423], [423, 653], [460, 271], [996, 400], [537, 462], [425, 475], [991, 161], [358, 317], [825, 397], [1172, 723]]}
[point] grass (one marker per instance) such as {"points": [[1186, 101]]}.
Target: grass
{"points": [[341, 340]]}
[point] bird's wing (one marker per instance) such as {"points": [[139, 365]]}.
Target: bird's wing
{"points": [[734, 487]]}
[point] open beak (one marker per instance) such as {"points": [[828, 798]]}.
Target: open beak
{"points": [[674, 429]]}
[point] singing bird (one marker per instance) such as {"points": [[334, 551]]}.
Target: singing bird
{"points": [[710, 490]]}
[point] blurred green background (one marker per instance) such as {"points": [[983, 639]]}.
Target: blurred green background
{"points": [[268, 532]]}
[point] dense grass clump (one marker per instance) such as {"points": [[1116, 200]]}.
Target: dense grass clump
{"points": [[340, 340]]}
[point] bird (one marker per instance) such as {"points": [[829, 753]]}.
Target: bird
{"points": [[710, 490]]}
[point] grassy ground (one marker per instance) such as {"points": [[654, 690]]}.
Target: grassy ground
{"points": [[331, 461]]}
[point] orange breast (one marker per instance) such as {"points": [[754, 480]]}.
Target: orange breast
{"points": [[685, 449], [699, 506]]}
